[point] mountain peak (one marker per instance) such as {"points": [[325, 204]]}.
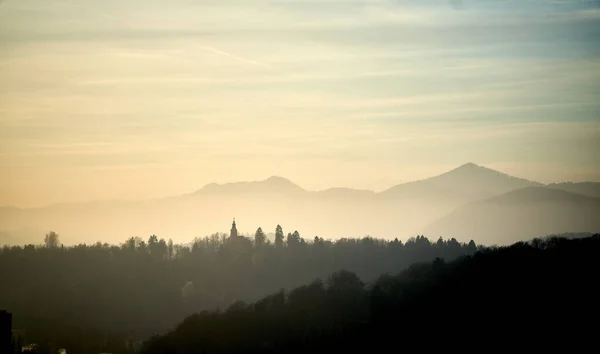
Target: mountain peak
{"points": [[470, 177], [468, 181], [468, 165], [471, 167], [474, 169]]}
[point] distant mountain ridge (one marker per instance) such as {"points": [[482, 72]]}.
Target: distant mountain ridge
{"points": [[540, 195], [273, 184], [591, 189], [470, 179], [404, 210]]}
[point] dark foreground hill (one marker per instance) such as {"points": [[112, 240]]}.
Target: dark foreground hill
{"points": [[529, 296]]}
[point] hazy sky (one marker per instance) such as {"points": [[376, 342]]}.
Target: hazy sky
{"points": [[130, 99]]}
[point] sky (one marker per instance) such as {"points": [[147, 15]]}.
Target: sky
{"points": [[130, 99]]}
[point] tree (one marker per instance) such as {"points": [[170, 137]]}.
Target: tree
{"points": [[162, 249], [318, 241], [344, 281], [294, 239], [152, 240], [278, 236], [259, 238], [346, 292], [51, 240], [153, 245], [140, 245], [440, 242], [129, 244], [454, 244], [472, 246], [170, 248]]}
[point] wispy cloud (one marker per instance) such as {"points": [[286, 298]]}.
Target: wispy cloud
{"points": [[207, 89]]}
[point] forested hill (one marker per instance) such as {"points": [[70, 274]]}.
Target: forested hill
{"points": [[537, 295], [140, 288]]}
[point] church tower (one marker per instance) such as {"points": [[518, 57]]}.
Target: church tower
{"points": [[233, 233]]}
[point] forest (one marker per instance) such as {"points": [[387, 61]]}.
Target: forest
{"points": [[539, 295], [109, 298]]}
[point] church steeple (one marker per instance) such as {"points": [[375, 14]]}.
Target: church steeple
{"points": [[234, 232]]}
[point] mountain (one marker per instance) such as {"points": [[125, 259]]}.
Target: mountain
{"points": [[591, 189], [520, 215], [540, 195], [401, 211], [466, 183], [272, 185]]}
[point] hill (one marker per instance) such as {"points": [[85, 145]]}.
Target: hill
{"points": [[137, 289], [591, 189], [519, 215], [542, 290]]}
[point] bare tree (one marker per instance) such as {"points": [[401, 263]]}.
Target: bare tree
{"points": [[51, 240]]}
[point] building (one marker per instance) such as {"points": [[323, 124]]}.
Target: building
{"points": [[235, 242], [234, 233], [6, 332]]}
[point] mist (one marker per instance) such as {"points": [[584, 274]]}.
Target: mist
{"points": [[469, 202]]}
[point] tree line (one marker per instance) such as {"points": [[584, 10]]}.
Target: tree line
{"points": [[540, 295], [124, 293]]}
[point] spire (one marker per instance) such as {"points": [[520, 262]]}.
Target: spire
{"points": [[233, 229]]}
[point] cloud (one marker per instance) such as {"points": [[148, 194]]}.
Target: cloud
{"points": [[372, 85], [588, 14], [238, 58]]}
